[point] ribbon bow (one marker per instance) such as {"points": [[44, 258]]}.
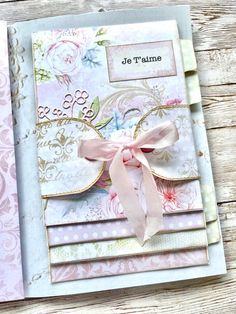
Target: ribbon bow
{"points": [[160, 137]]}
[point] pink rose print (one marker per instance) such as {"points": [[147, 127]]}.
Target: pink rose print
{"points": [[64, 57], [84, 37], [176, 195]]}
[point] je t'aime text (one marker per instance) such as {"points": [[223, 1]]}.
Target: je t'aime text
{"points": [[141, 60]]}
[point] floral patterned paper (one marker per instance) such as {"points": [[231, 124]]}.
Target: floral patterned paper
{"points": [[73, 63], [102, 203], [11, 281]]}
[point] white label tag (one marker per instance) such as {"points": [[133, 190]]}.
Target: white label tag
{"points": [[140, 61]]}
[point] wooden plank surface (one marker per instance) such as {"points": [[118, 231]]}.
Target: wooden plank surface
{"points": [[214, 31], [210, 18]]}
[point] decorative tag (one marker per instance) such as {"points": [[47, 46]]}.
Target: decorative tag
{"points": [[140, 61], [61, 171]]}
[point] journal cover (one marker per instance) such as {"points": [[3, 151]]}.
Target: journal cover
{"points": [[139, 269], [120, 84]]}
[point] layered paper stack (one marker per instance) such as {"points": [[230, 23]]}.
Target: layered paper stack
{"points": [[122, 80], [113, 78]]}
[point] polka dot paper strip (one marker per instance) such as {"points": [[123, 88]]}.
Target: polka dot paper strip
{"points": [[118, 229]]}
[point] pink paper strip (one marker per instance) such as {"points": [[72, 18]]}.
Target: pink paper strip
{"points": [[11, 282], [89, 232], [129, 265]]}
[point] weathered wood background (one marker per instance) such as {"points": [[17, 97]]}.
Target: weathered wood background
{"points": [[214, 30]]}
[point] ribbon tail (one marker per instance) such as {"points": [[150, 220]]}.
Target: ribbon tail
{"points": [[154, 218], [127, 196]]}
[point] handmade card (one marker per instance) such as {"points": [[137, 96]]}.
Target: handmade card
{"points": [[108, 87], [154, 94]]}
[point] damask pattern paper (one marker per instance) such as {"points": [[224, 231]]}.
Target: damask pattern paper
{"points": [[11, 281], [88, 232], [126, 247], [61, 171], [180, 160], [128, 265]]}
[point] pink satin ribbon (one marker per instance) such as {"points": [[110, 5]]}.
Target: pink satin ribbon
{"points": [[160, 137]]}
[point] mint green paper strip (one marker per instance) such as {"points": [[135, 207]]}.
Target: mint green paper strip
{"points": [[126, 247], [190, 69], [199, 132], [213, 232], [193, 88], [201, 143], [188, 54]]}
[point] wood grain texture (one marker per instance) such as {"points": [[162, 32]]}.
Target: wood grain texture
{"points": [[210, 18], [214, 31]]}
